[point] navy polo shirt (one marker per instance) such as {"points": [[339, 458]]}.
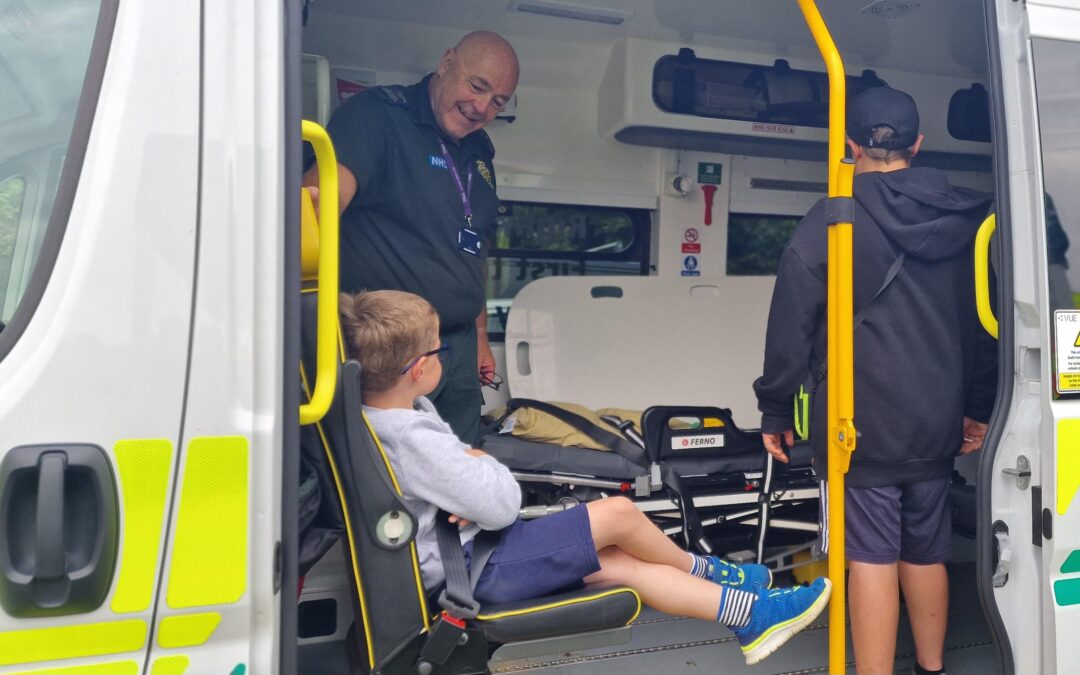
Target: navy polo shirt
{"points": [[401, 229]]}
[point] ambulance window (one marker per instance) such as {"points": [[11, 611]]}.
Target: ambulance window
{"points": [[11, 204], [1058, 96], [755, 243], [533, 240], [48, 87]]}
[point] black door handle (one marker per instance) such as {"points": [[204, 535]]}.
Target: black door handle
{"points": [[58, 529]]}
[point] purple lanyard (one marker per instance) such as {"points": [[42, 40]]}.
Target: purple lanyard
{"points": [[462, 190]]}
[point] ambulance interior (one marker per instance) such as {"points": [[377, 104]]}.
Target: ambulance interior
{"points": [[655, 158]]}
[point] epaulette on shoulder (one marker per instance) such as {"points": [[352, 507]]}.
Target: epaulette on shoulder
{"points": [[394, 95], [485, 142]]}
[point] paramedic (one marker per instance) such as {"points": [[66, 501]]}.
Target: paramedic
{"points": [[418, 199], [925, 372]]}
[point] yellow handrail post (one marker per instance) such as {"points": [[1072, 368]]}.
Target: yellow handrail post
{"points": [[982, 275], [840, 364], [326, 359]]}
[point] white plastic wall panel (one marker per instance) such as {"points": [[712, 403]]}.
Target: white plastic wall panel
{"points": [[664, 342]]}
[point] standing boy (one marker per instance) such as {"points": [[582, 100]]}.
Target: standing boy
{"points": [[925, 373]]}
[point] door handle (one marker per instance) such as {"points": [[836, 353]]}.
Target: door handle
{"points": [[58, 529]]}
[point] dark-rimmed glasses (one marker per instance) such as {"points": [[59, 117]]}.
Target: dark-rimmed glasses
{"points": [[442, 350], [491, 380]]}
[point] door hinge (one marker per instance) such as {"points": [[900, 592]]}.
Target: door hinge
{"points": [[1022, 472]]}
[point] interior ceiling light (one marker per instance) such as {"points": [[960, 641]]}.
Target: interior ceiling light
{"points": [[889, 9], [565, 10]]}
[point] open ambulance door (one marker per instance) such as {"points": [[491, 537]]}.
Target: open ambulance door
{"points": [[141, 358], [1029, 475]]}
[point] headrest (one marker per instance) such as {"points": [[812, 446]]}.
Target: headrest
{"points": [[309, 238]]}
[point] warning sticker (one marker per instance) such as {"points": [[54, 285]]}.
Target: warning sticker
{"points": [[1067, 350], [691, 248]]}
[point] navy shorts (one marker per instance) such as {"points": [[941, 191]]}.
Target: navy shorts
{"points": [[539, 557], [909, 522]]}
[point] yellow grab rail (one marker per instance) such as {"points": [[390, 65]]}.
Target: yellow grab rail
{"points": [[982, 275], [326, 359], [841, 426]]}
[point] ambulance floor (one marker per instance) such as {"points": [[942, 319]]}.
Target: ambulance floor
{"points": [[682, 646]]}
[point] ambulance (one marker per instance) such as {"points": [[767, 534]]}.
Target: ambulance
{"points": [[152, 323]]}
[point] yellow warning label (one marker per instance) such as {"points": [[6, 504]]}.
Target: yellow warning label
{"points": [[1076, 342], [1069, 382]]}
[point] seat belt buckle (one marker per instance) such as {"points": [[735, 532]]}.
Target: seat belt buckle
{"points": [[446, 634], [458, 611], [655, 483]]}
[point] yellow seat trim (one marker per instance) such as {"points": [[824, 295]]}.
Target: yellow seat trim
{"points": [[566, 603]]}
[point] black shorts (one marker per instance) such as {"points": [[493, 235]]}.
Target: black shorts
{"points": [[909, 522]]}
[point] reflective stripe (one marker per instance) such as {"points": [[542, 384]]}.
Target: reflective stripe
{"points": [[144, 468], [1068, 463], [69, 642], [1071, 564], [209, 556], [187, 630], [111, 668], [170, 665], [1067, 592]]}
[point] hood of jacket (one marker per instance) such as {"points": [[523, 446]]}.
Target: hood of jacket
{"points": [[920, 212]]}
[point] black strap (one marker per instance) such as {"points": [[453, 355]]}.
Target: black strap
{"points": [[622, 447], [483, 546], [889, 276], [456, 598], [817, 364]]}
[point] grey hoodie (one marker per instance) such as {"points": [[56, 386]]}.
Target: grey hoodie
{"points": [[434, 472], [922, 361]]}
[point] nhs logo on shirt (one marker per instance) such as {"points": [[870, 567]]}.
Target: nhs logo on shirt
{"points": [[436, 161]]}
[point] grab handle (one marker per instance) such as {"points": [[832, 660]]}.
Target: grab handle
{"points": [[982, 275], [326, 359]]}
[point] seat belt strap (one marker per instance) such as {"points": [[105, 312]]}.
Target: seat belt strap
{"points": [[457, 597]]}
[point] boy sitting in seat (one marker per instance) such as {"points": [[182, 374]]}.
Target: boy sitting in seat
{"points": [[395, 336]]}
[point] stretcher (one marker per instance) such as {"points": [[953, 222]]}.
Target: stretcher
{"points": [[628, 342]]}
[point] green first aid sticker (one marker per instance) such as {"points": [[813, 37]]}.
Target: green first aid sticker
{"points": [[708, 173]]}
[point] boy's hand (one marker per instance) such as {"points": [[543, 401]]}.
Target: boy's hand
{"points": [[974, 434], [461, 522], [475, 453], [773, 447]]}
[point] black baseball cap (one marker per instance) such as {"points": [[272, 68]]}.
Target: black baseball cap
{"points": [[879, 106]]}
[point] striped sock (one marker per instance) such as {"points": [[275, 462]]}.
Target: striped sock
{"points": [[701, 565], [735, 607]]}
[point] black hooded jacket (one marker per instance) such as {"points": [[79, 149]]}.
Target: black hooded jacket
{"points": [[922, 361]]}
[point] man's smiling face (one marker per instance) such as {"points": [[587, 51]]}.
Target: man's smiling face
{"points": [[470, 87]]}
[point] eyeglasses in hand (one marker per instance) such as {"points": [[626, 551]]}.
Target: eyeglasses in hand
{"points": [[491, 380]]}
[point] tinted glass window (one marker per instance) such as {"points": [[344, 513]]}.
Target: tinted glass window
{"points": [[755, 243], [531, 241], [44, 52], [11, 203], [1057, 85]]}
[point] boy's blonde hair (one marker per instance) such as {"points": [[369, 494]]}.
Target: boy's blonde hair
{"points": [[384, 330]]}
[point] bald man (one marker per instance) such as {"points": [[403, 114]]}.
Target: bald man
{"points": [[418, 200]]}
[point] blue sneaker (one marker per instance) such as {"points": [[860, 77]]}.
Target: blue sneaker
{"points": [[779, 614], [748, 577]]}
